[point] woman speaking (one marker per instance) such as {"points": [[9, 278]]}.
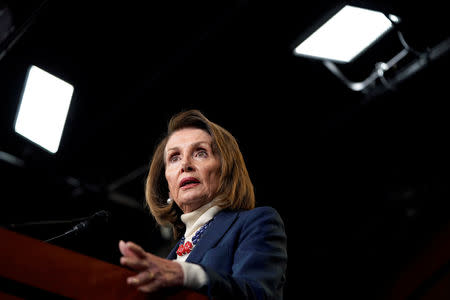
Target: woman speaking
{"points": [[198, 183]]}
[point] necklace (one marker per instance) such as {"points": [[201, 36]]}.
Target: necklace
{"points": [[186, 248]]}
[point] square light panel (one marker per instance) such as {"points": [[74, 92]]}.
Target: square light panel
{"points": [[345, 35], [43, 109]]}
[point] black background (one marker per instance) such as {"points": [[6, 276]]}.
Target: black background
{"points": [[360, 181]]}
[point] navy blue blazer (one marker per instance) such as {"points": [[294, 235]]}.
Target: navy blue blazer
{"points": [[244, 254]]}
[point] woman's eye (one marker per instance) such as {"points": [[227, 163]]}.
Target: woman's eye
{"points": [[201, 153], [174, 158]]}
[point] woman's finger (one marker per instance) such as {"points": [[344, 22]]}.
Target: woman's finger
{"points": [[143, 278], [136, 249], [134, 263], [148, 288], [149, 283], [123, 248]]}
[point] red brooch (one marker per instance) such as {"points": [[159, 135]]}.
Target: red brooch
{"points": [[184, 248]]}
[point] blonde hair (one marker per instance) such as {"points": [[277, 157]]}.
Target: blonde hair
{"points": [[235, 191]]}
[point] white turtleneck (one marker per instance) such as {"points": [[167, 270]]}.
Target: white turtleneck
{"points": [[194, 275]]}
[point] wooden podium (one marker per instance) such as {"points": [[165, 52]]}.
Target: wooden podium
{"points": [[38, 267]]}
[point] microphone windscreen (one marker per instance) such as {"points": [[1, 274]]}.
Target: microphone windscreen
{"points": [[102, 216]]}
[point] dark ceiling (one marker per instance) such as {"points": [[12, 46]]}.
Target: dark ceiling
{"points": [[360, 179]]}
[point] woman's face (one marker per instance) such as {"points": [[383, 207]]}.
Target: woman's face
{"points": [[192, 169]]}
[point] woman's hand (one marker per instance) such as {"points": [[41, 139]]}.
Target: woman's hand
{"points": [[154, 272]]}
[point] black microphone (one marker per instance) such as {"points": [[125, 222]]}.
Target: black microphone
{"points": [[99, 217]]}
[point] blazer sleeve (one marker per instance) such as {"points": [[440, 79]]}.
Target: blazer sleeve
{"points": [[259, 262]]}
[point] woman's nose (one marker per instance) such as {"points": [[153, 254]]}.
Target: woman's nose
{"points": [[187, 166]]}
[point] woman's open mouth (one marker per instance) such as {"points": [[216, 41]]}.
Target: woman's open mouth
{"points": [[189, 182]]}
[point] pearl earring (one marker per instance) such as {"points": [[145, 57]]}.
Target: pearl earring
{"points": [[169, 201]]}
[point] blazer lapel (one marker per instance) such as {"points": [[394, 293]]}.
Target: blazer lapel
{"points": [[222, 222]]}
